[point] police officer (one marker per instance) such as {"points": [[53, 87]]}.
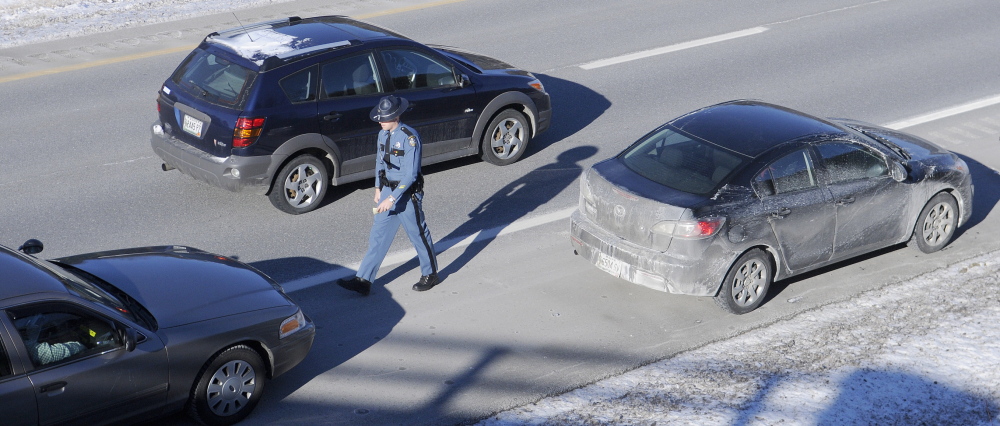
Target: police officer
{"points": [[399, 195]]}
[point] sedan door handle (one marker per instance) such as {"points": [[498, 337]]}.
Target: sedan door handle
{"points": [[333, 116], [780, 214], [51, 387], [845, 201]]}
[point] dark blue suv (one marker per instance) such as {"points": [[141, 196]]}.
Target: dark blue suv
{"points": [[282, 106]]}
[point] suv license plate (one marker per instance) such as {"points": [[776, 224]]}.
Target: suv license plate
{"points": [[611, 265], [192, 125]]}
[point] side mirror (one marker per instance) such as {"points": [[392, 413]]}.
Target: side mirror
{"points": [[31, 246], [129, 337], [465, 82], [897, 171]]}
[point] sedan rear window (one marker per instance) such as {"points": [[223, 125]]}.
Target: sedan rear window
{"points": [[678, 161], [213, 78]]}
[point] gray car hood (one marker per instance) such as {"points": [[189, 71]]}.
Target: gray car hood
{"points": [[181, 285]]}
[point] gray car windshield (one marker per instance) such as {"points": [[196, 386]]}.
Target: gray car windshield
{"points": [[678, 161]]}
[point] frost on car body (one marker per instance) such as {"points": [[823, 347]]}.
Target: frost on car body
{"points": [[723, 200]]}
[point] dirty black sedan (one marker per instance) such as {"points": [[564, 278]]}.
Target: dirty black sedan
{"points": [[123, 335], [723, 200]]}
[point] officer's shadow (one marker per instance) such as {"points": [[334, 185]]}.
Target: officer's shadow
{"points": [[514, 201]]}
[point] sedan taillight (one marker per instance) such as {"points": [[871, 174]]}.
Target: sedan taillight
{"points": [[690, 229]]}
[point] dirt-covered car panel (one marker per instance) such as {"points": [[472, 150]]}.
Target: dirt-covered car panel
{"points": [[831, 192]]}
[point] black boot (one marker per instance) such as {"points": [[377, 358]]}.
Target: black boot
{"points": [[357, 284], [427, 282]]}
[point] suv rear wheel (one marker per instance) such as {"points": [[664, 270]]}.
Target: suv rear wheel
{"points": [[300, 185], [505, 138]]}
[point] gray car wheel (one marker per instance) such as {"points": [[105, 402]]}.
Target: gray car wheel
{"points": [[936, 224], [228, 388], [300, 186], [505, 138], [747, 282]]}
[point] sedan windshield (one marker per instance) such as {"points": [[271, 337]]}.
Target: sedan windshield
{"points": [[673, 159]]}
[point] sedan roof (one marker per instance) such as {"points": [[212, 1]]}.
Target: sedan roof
{"points": [[751, 127]]}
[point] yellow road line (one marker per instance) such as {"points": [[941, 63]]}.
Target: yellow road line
{"points": [[120, 59]]}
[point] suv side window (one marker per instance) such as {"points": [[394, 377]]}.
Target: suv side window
{"points": [[846, 162], [55, 333], [790, 173], [301, 86], [355, 75], [410, 69]]}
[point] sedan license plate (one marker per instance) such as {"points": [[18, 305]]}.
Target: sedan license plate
{"points": [[611, 265], [193, 125]]}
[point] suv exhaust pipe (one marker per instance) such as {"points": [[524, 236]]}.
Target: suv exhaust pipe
{"points": [[166, 167]]}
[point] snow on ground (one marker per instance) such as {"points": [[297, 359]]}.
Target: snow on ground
{"points": [[925, 351], [33, 21]]}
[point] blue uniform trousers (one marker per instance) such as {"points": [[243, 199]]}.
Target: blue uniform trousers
{"points": [[408, 211]]}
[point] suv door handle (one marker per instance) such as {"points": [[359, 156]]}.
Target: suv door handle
{"points": [[781, 213], [333, 116], [845, 201], [51, 387]]}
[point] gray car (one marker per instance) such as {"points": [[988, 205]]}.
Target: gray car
{"points": [[140, 333], [724, 200]]}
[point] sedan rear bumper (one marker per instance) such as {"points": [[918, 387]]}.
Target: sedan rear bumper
{"points": [[646, 267]]}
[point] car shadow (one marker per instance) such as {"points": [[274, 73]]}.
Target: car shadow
{"points": [[512, 202], [346, 323], [574, 107], [779, 286], [986, 181]]}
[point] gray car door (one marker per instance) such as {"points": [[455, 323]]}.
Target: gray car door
{"points": [[799, 210], [81, 368], [867, 199]]}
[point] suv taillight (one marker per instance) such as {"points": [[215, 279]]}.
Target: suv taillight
{"points": [[247, 130]]}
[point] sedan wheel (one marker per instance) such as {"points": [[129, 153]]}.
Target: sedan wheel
{"points": [[746, 283], [300, 186], [229, 387], [505, 138], [936, 224]]}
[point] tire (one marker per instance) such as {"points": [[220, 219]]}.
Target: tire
{"points": [[747, 282], [936, 224], [505, 138], [228, 387], [300, 185]]}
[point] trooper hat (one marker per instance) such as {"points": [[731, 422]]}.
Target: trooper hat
{"points": [[389, 108]]}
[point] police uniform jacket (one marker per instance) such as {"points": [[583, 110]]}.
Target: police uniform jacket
{"points": [[399, 158]]}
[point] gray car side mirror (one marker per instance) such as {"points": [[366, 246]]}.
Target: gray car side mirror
{"points": [[897, 171]]}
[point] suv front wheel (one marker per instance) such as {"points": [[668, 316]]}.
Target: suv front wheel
{"points": [[300, 185], [505, 138]]}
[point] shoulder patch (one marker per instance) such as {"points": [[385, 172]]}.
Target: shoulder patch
{"points": [[412, 140]]}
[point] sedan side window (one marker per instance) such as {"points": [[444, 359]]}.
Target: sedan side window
{"points": [[355, 75], [846, 162], [790, 173], [4, 362], [58, 333], [410, 69]]}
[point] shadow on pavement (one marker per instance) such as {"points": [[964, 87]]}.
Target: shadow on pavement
{"points": [[512, 202]]}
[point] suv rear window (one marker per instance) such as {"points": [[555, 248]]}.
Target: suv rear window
{"points": [[213, 78], [673, 159]]}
